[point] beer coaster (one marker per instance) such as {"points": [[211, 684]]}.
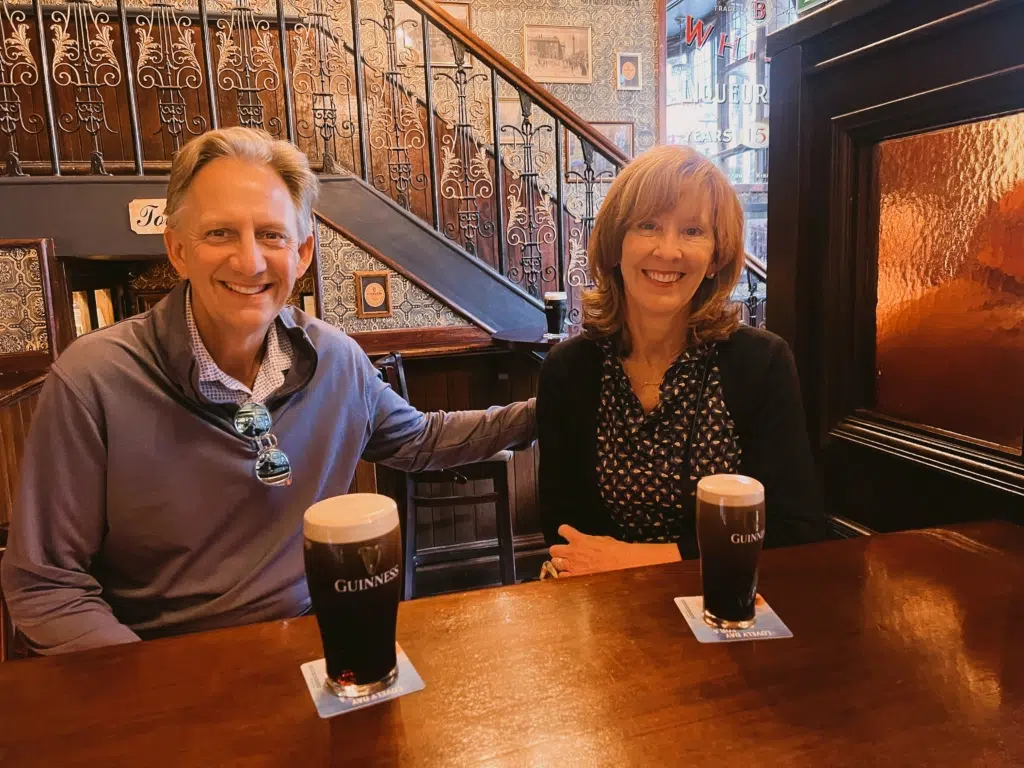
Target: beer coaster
{"points": [[329, 705], [768, 625]]}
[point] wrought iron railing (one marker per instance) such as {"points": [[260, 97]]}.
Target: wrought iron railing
{"points": [[397, 93]]}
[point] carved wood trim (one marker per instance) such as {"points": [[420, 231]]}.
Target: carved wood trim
{"points": [[881, 434]]}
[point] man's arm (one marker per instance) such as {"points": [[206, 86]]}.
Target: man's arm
{"points": [[57, 529], [406, 439]]}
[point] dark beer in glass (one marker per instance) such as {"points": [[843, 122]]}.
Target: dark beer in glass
{"points": [[353, 553], [730, 532], [554, 313]]}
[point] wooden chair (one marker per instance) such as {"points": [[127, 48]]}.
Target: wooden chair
{"points": [[12, 645], [494, 469], [6, 627]]}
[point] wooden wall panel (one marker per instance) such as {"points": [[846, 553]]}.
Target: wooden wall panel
{"points": [[472, 382], [15, 418]]}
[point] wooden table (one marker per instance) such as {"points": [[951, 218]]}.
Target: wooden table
{"points": [[908, 650], [525, 339]]}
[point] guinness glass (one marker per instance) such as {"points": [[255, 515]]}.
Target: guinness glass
{"points": [[353, 554], [554, 313], [730, 532]]}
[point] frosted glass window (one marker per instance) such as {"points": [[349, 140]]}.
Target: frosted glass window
{"points": [[950, 313]]}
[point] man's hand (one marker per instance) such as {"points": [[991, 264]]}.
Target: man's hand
{"points": [[593, 554]]}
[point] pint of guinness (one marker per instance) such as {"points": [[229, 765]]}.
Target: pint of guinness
{"points": [[730, 532], [353, 554]]}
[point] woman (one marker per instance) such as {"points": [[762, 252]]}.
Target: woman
{"points": [[664, 386]]}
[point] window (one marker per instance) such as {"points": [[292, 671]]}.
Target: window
{"points": [[717, 98]]}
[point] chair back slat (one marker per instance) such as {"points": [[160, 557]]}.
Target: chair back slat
{"points": [[393, 372]]}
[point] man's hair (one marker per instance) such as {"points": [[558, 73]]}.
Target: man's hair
{"points": [[649, 186], [254, 146]]}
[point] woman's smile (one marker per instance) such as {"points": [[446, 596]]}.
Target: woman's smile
{"points": [[665, 278]]}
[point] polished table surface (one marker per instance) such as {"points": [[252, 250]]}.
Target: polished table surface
{"points": [[908, 649], [525, 339]]}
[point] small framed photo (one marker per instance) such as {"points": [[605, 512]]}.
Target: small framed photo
{"points": [[510, 112], [409, 35], [442, 54], [373, 294], [628, 72], [558, 54]]}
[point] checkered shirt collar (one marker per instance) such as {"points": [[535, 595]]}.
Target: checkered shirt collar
{"points": [[219, 387]]}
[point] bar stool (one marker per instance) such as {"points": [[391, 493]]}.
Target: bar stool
{"points": [[494, 469]]}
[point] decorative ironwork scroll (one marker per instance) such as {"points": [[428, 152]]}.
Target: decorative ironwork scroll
{"points": [[167, 63], [395, 127], [465, 174], [84, 58], [531, 223], [320, 72], [18, 69], [582, 205], [245, 61]]}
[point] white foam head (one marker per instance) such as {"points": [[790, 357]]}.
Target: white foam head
{"points": [[555, 296], [730, 490], [350, 518]]}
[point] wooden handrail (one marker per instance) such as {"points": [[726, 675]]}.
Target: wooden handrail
{"points": [[482, 50]]}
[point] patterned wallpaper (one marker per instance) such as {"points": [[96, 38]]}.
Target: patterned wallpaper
{"points": [[411, 306], [22, 309], [616, 25]]}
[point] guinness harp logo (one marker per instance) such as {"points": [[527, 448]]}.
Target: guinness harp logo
{"points": [[371, 558]]}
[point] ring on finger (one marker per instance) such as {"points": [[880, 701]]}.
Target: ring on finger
{"points": [[560, 563]]}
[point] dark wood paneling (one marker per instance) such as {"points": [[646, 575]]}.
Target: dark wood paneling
{"points": [[365, 480], [421, 342], [785, 215], [15, 418], [834, 97], [472, 382]]}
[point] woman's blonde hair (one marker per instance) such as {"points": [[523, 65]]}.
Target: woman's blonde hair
{"points": [[647, 187], [254, 146]]}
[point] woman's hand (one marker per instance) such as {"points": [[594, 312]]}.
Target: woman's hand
{"points": [[593, 554]]}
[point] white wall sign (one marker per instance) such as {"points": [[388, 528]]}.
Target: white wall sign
{"points": [[147, 216]]}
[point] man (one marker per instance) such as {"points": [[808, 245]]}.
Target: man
{"points": [[146, 508]]}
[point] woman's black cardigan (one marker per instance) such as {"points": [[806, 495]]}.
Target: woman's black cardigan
{"points": [[762, 393]]}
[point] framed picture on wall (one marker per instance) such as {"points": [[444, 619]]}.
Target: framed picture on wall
{"points": [[558, 54], [373, 294], [620, 134], [628, 72], [510, 112], [442, 54], [409, 34]]}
